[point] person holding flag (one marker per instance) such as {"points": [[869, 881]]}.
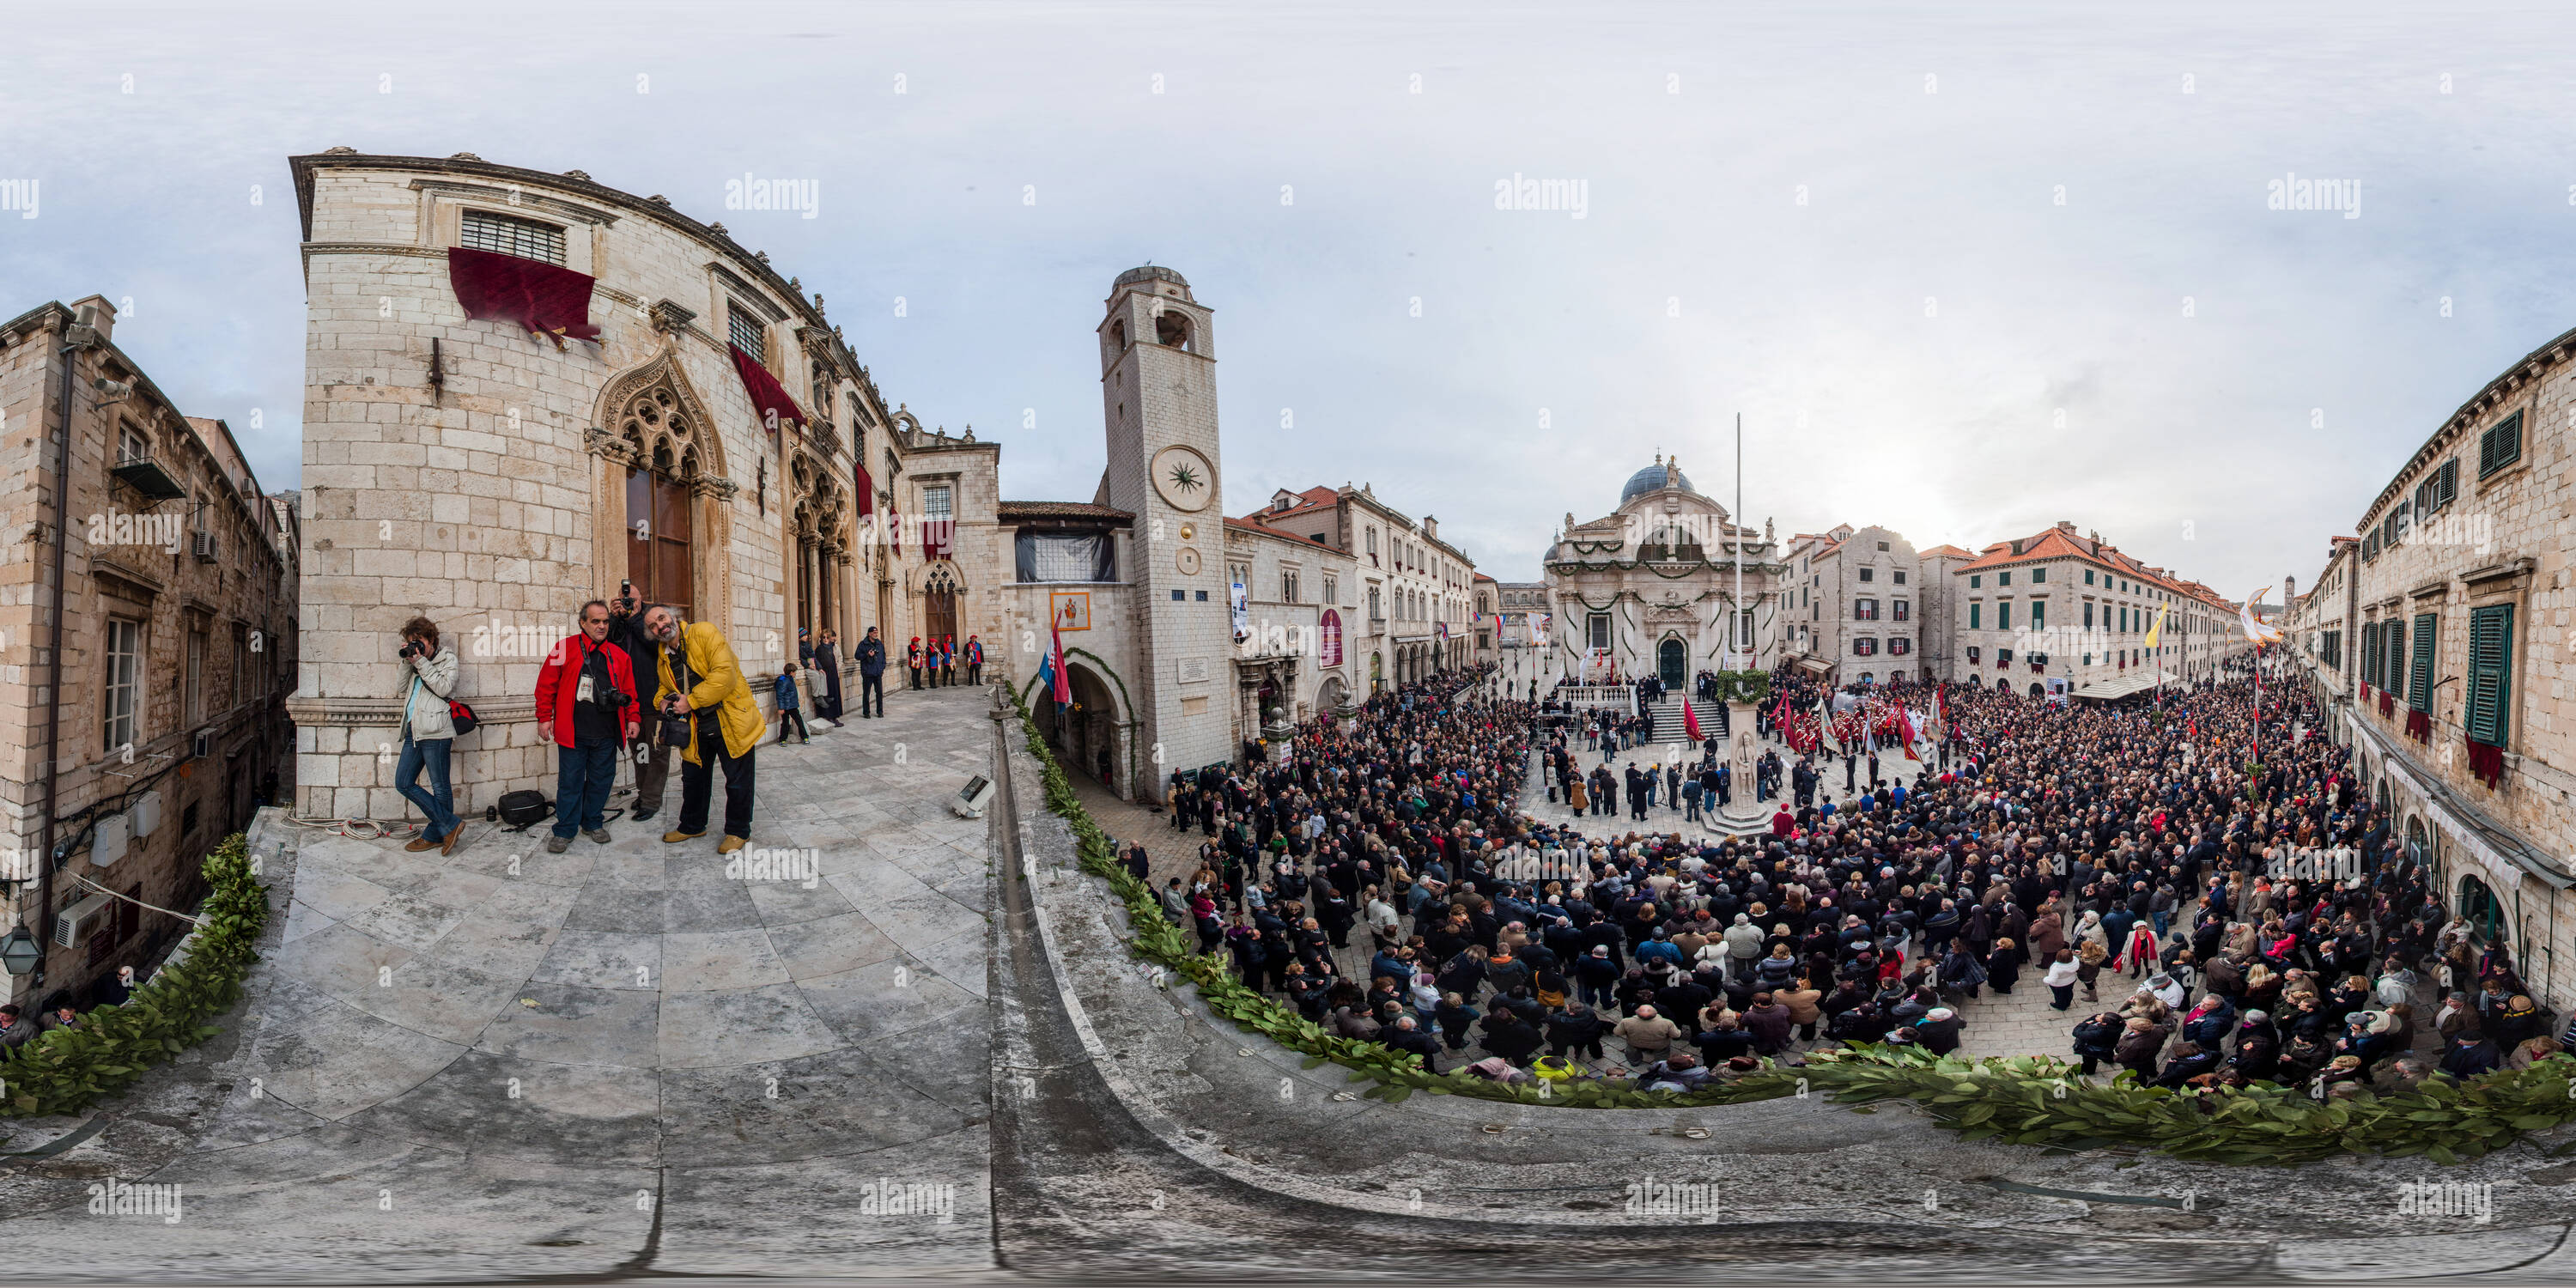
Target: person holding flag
{"points": [[1051, 672]]}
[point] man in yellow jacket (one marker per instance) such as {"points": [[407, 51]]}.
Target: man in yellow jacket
{"points": [[711, 692]]}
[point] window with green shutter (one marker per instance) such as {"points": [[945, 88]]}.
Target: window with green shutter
{"points": [[1975, 611], [2490, 696], [2419, 676], [2500, 445], [2370, 654]]}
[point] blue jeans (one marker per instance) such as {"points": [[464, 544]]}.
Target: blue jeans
{"points": [[436, 804], [583, 775]]}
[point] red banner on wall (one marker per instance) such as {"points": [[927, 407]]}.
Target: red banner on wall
{"points": [[768, 397], [547, 300]]}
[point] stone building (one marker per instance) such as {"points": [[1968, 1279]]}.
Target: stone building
{"points": [[1412, 593], [650, 402], [2452, 686], [1520, 640], [1648, 588], [162, 698], [2068, 613], [1857, 607]]}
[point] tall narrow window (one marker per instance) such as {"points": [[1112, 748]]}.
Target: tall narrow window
{"points": [[2490, 695], [123, 656], [195, 681], [744, 328], [2419, 676]]}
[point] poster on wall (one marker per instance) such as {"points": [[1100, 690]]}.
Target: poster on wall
{"points": [[1242, 604], [1328, 641]]}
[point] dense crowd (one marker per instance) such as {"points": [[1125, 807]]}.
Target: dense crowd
{"points": [[2153, 841]]}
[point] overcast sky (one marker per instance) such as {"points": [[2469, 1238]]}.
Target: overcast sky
{"points": [[1965, 271]]}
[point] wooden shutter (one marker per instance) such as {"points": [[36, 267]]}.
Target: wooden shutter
{"points": [[2370, 654], [2448, 477], [2500, 445], [2489, 699], [2419, 679]]}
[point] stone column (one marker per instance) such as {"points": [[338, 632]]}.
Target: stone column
{"points": [[1743, 815]]}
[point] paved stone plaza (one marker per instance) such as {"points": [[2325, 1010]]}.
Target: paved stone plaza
{"points": [[512, 1063]]}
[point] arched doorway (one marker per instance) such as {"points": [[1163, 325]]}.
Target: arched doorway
{"points": [[2479, 906], [1085, 732], [939, 603], [1330, 696], [2038, 690], [1672, 662]]}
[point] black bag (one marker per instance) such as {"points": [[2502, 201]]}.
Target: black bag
{"points": [[524, 809], [462, 716]]}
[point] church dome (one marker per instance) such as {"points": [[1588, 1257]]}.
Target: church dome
{"points": [[1152, 273], [1652, 477]]}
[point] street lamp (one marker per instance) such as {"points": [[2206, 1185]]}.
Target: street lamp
{"points": [[20, 953]]}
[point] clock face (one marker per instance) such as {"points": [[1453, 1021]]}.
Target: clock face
{"points": [[1187, 561], [1184, 478]]}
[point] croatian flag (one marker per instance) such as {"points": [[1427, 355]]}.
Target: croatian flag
{"points": [[1690, 721]]}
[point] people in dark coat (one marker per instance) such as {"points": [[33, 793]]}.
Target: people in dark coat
{"points": [[2003, 967], [2097, 1039]]}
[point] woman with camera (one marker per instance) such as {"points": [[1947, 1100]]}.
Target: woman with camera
{"points": [[427, 733]]}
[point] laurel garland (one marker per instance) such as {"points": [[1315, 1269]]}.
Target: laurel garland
{"points": [[2022, 1100]]}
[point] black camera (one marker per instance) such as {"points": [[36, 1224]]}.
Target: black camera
{"points": [[411, 649], [675, 730]]}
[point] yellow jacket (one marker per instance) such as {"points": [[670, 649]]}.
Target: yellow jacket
{"points": [[720, 684]]}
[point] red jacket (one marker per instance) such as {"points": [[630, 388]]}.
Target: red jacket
{"points": [[560, 680]]}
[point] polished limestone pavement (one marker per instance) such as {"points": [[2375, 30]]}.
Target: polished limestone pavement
{"points": [[617, 1059]]}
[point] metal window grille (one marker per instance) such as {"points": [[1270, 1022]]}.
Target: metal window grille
{"points": [[745, 331], [504, 235]]}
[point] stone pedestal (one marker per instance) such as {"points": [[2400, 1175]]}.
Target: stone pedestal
{"points": [[1742, 815]]}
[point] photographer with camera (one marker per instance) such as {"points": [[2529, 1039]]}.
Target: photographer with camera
{"points": [[706, 709], [586, 706], [651, 755], [428, 732]]}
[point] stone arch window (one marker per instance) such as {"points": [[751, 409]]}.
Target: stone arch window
{"points": [[1118, 336], [1172, 328], [663, 433]]}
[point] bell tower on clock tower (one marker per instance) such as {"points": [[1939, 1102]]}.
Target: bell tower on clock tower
{"points": [[1158, 399]]}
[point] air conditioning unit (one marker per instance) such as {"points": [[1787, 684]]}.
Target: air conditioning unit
{"points": [[204, 544], [147, 814], [74, 925], [107, 844]]}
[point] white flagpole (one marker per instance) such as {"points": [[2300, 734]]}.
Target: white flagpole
{"points": [[1738, 521]]}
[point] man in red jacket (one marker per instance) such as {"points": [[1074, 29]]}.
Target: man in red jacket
{"points": [[586, 706]]}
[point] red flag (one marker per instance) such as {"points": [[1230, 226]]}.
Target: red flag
{"points": [[1690, 720], [1905, 729], [1063, 682]]}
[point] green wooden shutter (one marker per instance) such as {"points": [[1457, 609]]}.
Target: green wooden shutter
{"points": [[2419, 680], [2489, 704], [2501, 445], [2370, 654]]}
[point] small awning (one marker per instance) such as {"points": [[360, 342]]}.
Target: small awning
{"points": [[2119, 688]]}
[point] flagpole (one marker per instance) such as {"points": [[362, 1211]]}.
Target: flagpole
{"points": [[1738, 518]]}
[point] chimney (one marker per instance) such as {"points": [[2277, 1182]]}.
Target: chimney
{"points": [[2066, 526], [1430, 528]]}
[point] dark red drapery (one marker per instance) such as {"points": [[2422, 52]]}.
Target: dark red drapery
{"points": [[2486, 762], [507, 288], [2419, 726], [936, 534], [2387, 703], [867, 490], [768, 397]]}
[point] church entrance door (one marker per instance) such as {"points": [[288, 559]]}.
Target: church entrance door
{"points": [[1672, 662]]}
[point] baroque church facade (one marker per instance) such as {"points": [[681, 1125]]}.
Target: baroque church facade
{"points": [[1652, 588], [643, 399]]}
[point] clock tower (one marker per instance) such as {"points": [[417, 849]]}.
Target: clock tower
{"points": [[1158, 398]]}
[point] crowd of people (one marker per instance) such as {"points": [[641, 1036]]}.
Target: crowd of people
{"points": [[1386, 877]]}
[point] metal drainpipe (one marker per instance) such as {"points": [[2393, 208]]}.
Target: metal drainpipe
{"points": [[76, 337]]}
